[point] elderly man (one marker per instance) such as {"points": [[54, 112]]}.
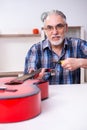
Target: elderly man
{"points": [[57, 52]]}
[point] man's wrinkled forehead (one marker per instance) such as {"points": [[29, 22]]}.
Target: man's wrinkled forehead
{"points": [[54, 20]]}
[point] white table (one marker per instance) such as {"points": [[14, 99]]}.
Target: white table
{"points": [[65, 109]]}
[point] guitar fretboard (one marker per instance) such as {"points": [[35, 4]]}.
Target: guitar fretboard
{"points": [[28, 76], [21, 79]]}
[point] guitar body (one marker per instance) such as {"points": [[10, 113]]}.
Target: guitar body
{"points": [[19, 102]]}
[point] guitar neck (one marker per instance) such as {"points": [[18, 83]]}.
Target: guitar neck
{"points": [[21, 79], [28, 76]]}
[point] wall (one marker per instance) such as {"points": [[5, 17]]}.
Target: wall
{"points": [[13, 52], [21, 16]]}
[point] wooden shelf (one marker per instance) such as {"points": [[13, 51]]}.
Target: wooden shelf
{"points": [[19, 35], [71, 30], [10, 74]]}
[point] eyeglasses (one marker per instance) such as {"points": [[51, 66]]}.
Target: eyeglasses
{"points": [[57, 27]]}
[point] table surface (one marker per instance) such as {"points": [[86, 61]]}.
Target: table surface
{"points": [[65, 109]]}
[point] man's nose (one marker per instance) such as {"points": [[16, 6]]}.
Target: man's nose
{"points": [[55, 30]]}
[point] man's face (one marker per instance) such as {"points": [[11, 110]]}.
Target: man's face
{"points": [[55, 29]]}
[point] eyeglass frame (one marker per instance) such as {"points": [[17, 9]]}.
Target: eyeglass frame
{"points": [[51, 28]]}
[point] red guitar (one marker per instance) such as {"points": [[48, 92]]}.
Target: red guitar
{"points": [[20, 98]]}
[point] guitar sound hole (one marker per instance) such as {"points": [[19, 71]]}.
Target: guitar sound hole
{"points": [[13, 83], [8, 90]]}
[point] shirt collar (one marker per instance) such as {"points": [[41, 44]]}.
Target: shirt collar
{"points": [[46, 44], [65, 43]]}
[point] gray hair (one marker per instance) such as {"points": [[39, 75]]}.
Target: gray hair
{"points": [[57, 12]]}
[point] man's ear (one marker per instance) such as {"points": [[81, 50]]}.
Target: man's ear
{"points": [[66, 28]]}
